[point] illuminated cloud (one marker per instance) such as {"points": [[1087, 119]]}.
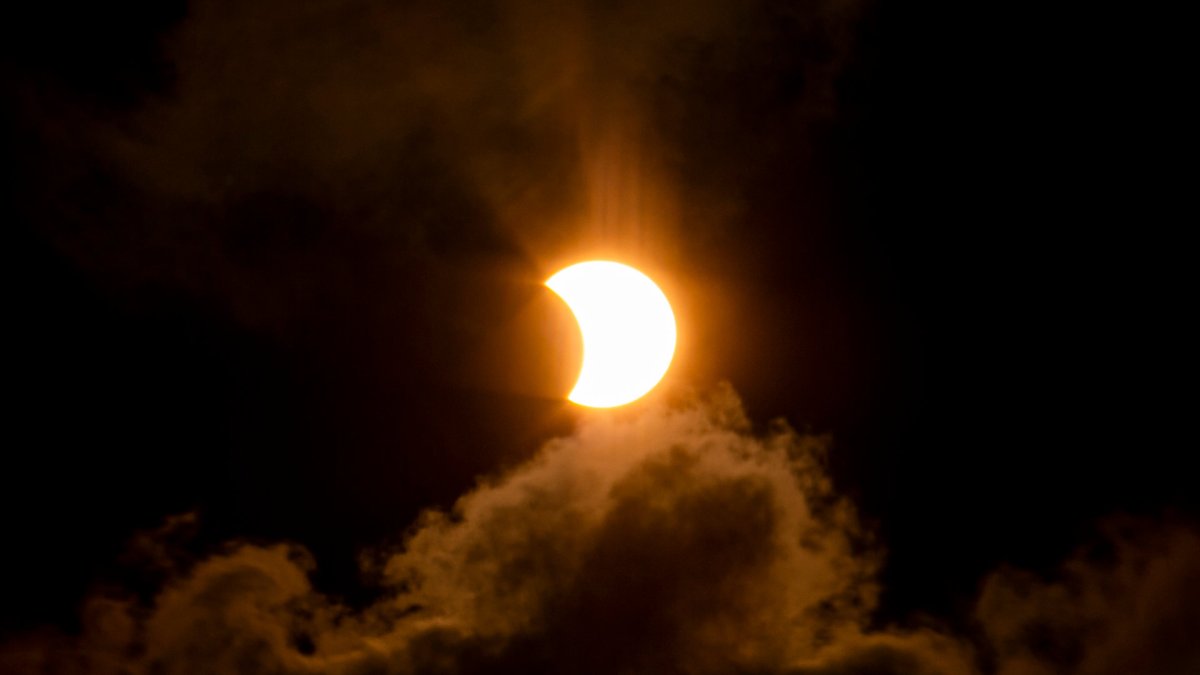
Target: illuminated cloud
{"points": [[667, 540]]}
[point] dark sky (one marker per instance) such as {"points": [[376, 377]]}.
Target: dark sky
{"points": [[278, 267]]}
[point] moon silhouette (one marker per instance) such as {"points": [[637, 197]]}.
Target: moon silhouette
{"points": [[628, 331]]}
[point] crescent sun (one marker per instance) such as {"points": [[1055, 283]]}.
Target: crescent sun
{"points": [[628, 331]]}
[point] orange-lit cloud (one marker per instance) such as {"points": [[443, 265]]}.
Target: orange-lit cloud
{"points": [[667, 540]]}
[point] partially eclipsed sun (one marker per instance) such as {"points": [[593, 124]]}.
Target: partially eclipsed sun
{"points": [[628, 331]]}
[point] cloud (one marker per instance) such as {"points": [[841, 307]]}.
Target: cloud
{"points": [[673, 540], [305, 151], [1131, 606]]}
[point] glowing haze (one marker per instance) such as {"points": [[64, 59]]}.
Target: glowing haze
{"points": [[628, 331]]}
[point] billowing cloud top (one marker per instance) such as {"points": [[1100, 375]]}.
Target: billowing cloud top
{"points": [[665, 540]]}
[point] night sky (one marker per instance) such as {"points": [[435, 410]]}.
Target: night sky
{"points": [[285, 393]]}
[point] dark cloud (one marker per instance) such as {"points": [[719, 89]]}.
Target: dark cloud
{"points": [[1129, 605], [382, 184], [293, 137]]}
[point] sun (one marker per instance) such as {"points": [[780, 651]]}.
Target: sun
{"points": [[628, 331]]}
